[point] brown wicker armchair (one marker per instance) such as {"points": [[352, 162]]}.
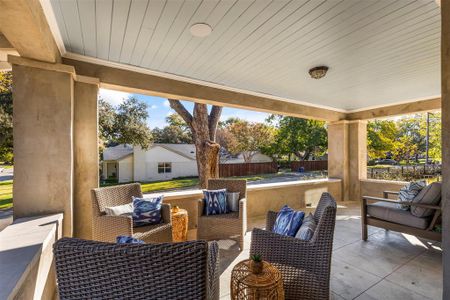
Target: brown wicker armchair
{"points": [[305, 265], [97, 270], [232, 225], [107, 228]]}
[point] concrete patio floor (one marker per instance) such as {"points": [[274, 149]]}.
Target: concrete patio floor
{"points": [[388, 266]]}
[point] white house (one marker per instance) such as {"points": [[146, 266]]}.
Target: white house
{"points": [[160, 162]]}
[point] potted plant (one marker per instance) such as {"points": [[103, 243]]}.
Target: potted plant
{"points": [[256, 264]]}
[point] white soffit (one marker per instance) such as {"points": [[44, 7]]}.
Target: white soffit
{"points": [[379, 52]]}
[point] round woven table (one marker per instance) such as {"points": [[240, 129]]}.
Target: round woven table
{"points": [[179, 225], [267, 285]]}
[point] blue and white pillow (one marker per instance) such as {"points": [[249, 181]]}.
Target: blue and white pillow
{"points": [[409, 192], [215, 202], [288, 221], [307, 228], [147, 211], [123, 239]]}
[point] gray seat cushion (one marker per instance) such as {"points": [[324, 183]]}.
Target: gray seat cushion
{"points": [[430, 195], [392, 213]]}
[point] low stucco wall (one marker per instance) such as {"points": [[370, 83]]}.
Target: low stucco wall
{"points": [[375, 188], [263, 197]]}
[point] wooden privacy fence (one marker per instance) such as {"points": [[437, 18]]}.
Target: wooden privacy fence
{"points": [[309, 165], [245, 169]]}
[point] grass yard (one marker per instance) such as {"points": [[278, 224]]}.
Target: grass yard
{"points": [[6, 194]]}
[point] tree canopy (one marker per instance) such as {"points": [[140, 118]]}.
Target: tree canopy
{"points": [[6, 117], [176, 132]]}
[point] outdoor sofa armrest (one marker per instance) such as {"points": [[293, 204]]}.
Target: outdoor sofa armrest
{"points": [[243, 209], [387, 193], [213, 270], [270, 220], [369, 198], [165, 213], [113, 226]]}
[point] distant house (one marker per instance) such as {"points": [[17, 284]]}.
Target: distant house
{"points": [[239, 159], [159, 162]]}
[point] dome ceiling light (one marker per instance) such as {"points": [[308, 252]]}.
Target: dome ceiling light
{"points": [[318, 72], [201, 30]]}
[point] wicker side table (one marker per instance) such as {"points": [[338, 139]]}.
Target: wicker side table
{"points": [[246, 285], [179, 224]]}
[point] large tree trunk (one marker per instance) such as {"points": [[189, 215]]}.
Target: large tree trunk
{"points": [[203, 127]]}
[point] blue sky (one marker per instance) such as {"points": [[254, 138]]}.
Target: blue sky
{"points": [[159, 109]]}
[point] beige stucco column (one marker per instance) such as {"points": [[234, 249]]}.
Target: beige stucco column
{"points": [[86, 161], [43, 119], [347, 155], [445, 77]]}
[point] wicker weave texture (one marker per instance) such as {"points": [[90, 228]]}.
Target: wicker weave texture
{"points": [[231, 225], [304, 265], [96, 270], [107, 228]]}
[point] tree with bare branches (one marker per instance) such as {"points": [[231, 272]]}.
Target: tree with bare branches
{"points": [[203, 127]]}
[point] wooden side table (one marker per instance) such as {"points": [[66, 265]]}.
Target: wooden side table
{"points": [[246, 285], [179, 225]]}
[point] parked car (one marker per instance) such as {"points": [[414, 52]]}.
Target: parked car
{"points": [[386, 161]]}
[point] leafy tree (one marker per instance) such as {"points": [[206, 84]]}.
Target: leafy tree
{"points": [[381, 137], [302, 137], [249, 138], [203, 127], [124, 124], [6, 117], [177, 132]]}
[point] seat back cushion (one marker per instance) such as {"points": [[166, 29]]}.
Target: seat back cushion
{"points": [[215, 202], [409, 192], [147, 211], [430, 195], [307, 228], [288, 221]]}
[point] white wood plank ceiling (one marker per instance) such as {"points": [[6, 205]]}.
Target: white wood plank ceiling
{"points": [[378, 51]]}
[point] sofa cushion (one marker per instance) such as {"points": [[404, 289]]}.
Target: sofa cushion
{"points": [[233, 201], [120, 210], [392, 213], [307, 229], [430, 195], [147, 211], [288, 221], [215, 202], [409, 192]]}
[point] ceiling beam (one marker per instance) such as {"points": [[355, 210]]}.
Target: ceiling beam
{"points": [[24, 25], [137, 82], [396, 109]]}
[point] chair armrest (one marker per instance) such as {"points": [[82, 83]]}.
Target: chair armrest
{"points": [[166, 213], [109, 227], [270, 220], [368, 198], [213, 270], [387, 193], [200, 207]]}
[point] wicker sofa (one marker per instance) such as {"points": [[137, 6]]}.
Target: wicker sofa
{"points": [[231, 225], [385, 213], [107, 228], [97, 270], [304, 265]]}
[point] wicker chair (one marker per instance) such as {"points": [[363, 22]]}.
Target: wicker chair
{"points": [[232, 225], [305, 265], [107, 228], [97, 270]]}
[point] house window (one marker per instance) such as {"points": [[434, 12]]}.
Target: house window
{"points": [[164, 167]]}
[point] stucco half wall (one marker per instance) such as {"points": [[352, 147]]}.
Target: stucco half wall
{"points": [[263, 197], [375, 188]]}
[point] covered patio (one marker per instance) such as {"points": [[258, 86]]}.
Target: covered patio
{"points": [[385, 58]]}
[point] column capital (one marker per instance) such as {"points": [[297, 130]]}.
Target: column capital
{"points": [[21, 61], [87, 79]]}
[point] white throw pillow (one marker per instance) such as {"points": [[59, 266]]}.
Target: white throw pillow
{"points": [[233, 201], [120, 210]]}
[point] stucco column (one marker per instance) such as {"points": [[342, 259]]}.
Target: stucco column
{"points": [[445, 77], [86, 160], [43, 160], [347, 155]]}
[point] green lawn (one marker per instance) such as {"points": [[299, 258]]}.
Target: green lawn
{"points": [[6, 194]]}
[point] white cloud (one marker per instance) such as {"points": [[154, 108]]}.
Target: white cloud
{"points": [[153, 106], [113, 97]]}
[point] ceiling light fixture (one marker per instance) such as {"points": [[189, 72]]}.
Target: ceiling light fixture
{"points": [[318, 72], [201, 30]]}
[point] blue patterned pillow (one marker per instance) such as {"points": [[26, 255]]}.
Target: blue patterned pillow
{"points": [[216, 202], [409, 192], [123, 239], [288, 221], [307, 228], [147, 211]]}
